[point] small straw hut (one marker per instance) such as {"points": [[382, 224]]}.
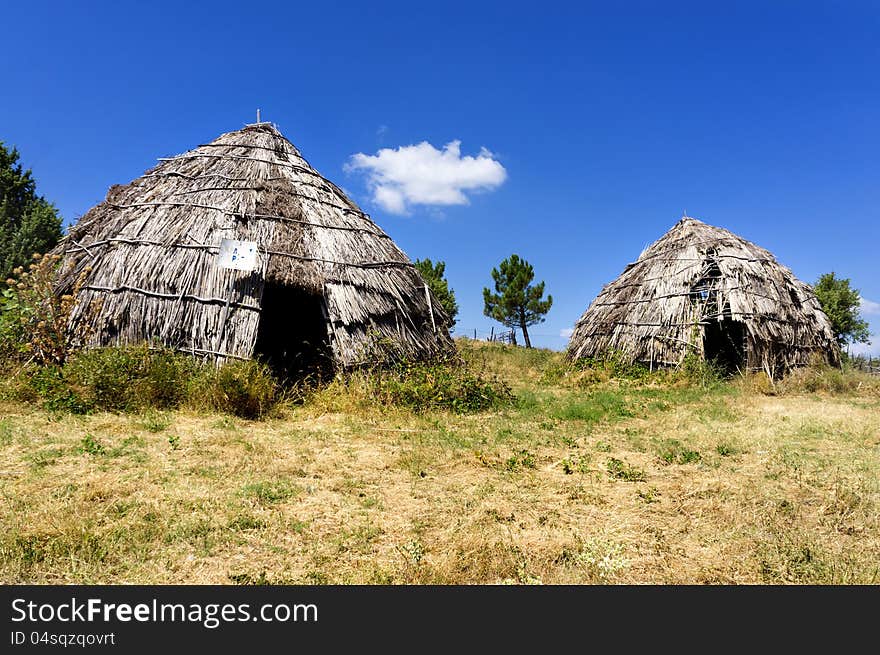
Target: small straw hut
{"points": [[703, 289], [327, 284]]}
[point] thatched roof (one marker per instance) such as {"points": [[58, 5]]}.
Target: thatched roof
{"points": [[700, 280], [149, 252]]}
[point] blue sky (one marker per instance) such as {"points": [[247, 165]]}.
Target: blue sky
{"points": [[608, 121]]}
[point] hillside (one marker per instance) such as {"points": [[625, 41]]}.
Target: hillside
{"points": [[585, 477]]}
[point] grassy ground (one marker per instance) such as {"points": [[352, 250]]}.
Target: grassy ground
{"points": [[611, 483]]}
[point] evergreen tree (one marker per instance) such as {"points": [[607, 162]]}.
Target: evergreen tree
{"points": [[840, 302], [28, 223], [434, 275], [516, 302]]}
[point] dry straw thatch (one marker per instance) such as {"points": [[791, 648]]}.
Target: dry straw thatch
{"points": [[701, 288], [328, 279]]}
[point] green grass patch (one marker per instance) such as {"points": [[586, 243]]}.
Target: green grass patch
{"points": [[25, 550], [578, 464], [726, 449], [522, 459], [269, 492], [716, 410], [155, 421], [244, 522], [673, 451], [46, 457], [593, 408], [621, 470], [90, 445], [6, 432]]}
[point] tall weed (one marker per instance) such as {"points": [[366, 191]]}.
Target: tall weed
{"points": [[444, 383]]}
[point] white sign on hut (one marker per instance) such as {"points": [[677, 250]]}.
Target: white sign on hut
{"points": [[238, 255]]}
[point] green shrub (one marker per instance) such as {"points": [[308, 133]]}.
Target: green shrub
{"points": [[47, 385], [522, 459], [243, 388], [757, 382], [91, 446], [34, 323], [575, 464], [614, 364], [589, 372], [585, 378], [444, 383], [167, 378], [128, 378], [136, 378], [555, 372], [672, 451], [154, 421], [700, 372], [133, 378], [105, 377], [617, 468]]}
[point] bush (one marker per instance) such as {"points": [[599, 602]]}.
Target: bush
{"points": [[244, 388], [128, 378], [699, 372], [133, 378], [47, 384], [33, 319], [757, 382], [589, 372], [819, 376], [577, 375], [443, 383], [614, 364]]}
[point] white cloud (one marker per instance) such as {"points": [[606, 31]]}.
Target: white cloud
{"points": [[872, 349], [869, 306], [390, 198], [566, 332], [423, 175]]}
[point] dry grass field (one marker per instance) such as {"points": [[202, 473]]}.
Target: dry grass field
{"points": [[604, 481]]}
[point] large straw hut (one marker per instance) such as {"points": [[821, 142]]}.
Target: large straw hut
{"points": [[328, 285], [703, 289]]}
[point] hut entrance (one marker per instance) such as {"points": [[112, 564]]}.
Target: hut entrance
{"points": [[292, 336], [724, 342]]}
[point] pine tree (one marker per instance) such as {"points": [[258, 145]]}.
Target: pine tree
{"points": [[516, 302], [28, 223], [434, 276]]}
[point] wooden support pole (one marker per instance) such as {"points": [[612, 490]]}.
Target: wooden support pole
{"points": [[224, 315], [430, 308]]}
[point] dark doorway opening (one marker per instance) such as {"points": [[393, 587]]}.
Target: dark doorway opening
{"points": [[292, 336], [724, 342]]}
